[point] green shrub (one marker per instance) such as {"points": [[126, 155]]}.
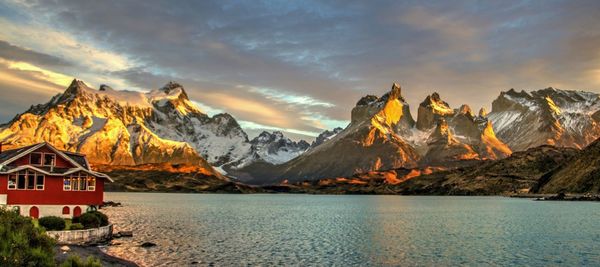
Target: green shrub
{"points": [[92, 219], [75, 261], [89, 220], [21, 243], [76, 226], [52, 223], [103, 218]]}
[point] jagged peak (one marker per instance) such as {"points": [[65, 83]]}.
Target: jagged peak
{"points": [[172, 86], [466, 110], [366, 100], [396, 91], [441, 133], [435, 102], [223, 116], [483, 112], [76, 87], [434, 98], [271, 134], [513, 92]]}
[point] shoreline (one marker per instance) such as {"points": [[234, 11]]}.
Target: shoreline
{"points": [[536, 197], [85, 251]]}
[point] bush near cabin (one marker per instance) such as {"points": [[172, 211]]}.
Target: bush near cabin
{"points": [[21, 243], [52, 223], [92, 219]]}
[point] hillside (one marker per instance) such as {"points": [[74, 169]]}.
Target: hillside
{"points": [[578, 175]]}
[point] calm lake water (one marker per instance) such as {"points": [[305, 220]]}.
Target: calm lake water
{"points": [[315, 230]]}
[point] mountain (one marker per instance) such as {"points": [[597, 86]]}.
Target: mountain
{"points": [[276, 148], [166, 177], [454, 135], [518, 173], [370, 142], [383, 135], [326, 135], [548, 116], [130, 128], [578, 175]]}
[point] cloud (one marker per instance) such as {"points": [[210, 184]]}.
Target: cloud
{"points": [[46, 40], [302, 66], [15, 53]]}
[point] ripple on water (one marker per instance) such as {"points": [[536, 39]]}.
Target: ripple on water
{"points": [[224, 230]]}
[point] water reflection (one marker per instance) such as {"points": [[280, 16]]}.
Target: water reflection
{"points": [[227, 230]]}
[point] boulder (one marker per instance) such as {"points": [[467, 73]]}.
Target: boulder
{"points": [[148, 245]]}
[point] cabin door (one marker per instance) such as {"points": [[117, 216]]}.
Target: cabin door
{"points": [[34, 212], [77, 211]]}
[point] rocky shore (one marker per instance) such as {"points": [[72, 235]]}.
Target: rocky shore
{"points": [[62, 253]]}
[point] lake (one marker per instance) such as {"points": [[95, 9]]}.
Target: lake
{"points": [[325, 230]]}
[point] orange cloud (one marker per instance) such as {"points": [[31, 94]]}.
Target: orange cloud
{"points": [[263, 113]]}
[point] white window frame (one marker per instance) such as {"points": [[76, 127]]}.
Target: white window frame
{"points": [[80, 177], [43, 159], [67, 178], [25, 182], [43, 182], [91, 187], [53, 164], [27, 173], [16, 177]]}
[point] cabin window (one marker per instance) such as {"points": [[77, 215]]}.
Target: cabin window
{"points": [[12, 181], [67, 184], [21, 180], [92, 184], [79, 182], [74, 184], [82, 182], [39, 182], [35, 159], [26, 180], [30, 180], [49, 159]]}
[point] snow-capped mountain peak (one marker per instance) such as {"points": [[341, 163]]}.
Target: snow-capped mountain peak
{"points": [[547, 116], [132, 126], [276, 148]]}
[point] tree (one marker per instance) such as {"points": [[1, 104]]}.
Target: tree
{"points": [[21, 243]]}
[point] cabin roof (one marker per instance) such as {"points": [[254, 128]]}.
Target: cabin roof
{"points": [[79, 161], [9, 154]]}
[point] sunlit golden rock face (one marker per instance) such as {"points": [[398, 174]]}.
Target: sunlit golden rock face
{"points": [[431, 110], [95, 123], [371, 142], [458, 134], [383, 135]]}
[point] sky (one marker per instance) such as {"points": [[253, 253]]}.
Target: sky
{"points": [[297, 66]]}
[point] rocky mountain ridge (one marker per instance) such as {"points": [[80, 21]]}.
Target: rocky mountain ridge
{"points": [[130, 128], [382, 134], [548, 116], [276, 148]]}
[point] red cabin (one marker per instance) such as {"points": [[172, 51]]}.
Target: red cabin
{"points": [[41, 181]]}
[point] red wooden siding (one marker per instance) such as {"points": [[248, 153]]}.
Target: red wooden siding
{"points": [[59, 161], [53, 193]]}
